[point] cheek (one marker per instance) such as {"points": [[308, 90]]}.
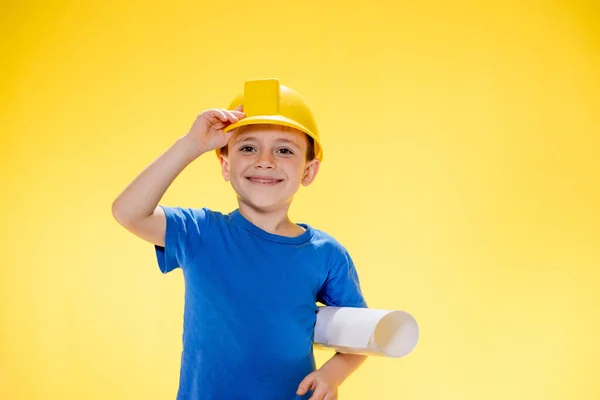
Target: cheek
{"points": [[294, 169], [239, 164]]}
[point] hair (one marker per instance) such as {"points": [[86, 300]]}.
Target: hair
{"points": [[310, 150]]}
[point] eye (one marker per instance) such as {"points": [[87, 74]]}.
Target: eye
{"points": [[285, 151], [246, 149]]}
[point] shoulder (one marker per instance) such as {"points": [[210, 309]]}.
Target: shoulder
{"points": [[326, 238], [197, 217], [326, 242], [192, 212]]}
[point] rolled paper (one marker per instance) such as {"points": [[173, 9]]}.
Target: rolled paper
{"points": [[366, 331]]}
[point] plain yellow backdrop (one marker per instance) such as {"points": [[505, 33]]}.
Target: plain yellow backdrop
{"points": [[461, 171]]}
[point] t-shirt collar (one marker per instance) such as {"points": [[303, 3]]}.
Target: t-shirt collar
{"points": [[302, 238]]}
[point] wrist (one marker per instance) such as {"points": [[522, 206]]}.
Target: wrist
{"points": [[189, 149]]}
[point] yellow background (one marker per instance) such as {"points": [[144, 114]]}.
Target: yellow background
{"points": [[461, 171]]}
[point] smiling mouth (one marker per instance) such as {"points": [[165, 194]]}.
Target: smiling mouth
{"points": [[264, 181]]}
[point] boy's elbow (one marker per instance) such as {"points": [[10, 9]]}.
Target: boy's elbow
{"points": [[118, 213]]}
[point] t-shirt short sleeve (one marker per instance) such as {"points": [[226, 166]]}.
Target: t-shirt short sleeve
{"points": [[342, 286], [183, 237]]}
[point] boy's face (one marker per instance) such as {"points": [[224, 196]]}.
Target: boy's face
{"points": [[266, 165]]}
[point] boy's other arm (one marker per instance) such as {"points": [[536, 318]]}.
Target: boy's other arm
{"points": [[136, 208], [325, 381], [342, 365]]}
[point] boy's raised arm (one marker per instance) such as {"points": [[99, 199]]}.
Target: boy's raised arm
{"points": [[136, 208]]}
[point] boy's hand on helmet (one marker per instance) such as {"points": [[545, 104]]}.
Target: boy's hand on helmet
{"points": [[206, 133]]}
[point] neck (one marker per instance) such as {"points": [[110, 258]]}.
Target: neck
{"points": [[275, 221]]}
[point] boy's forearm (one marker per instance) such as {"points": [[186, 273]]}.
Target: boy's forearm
{"points": [[141, 197], [341, 366]]}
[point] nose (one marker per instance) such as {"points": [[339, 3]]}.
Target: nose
{"points": [[264, 160]]}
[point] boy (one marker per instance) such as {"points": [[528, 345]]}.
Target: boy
{"points": [[252, 277]]}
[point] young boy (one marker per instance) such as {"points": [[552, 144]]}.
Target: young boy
{"points": [[252, 276]]}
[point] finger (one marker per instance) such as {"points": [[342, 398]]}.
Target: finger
{"points": [[238, 114], [319, 393], [240, 108], [228, 135], [220, 115], [214, 117], [230, 116], [305, 384]]}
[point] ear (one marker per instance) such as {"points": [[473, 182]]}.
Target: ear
{"points": [[310, 172], [224, 160]]}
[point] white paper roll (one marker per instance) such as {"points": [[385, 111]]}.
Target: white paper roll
{"points": [[367, 331]]}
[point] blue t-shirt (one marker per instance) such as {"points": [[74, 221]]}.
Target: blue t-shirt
{"points": [[250, 302]]}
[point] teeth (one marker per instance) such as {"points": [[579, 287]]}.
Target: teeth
{"points": [[259, 180]]}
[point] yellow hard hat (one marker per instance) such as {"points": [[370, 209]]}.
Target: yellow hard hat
{"points": [[266, 101]]}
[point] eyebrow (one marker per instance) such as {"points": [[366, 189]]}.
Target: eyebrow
{"points": [[253, 138]]}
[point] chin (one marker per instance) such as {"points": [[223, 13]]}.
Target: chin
{"points": [[263, 199]]}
